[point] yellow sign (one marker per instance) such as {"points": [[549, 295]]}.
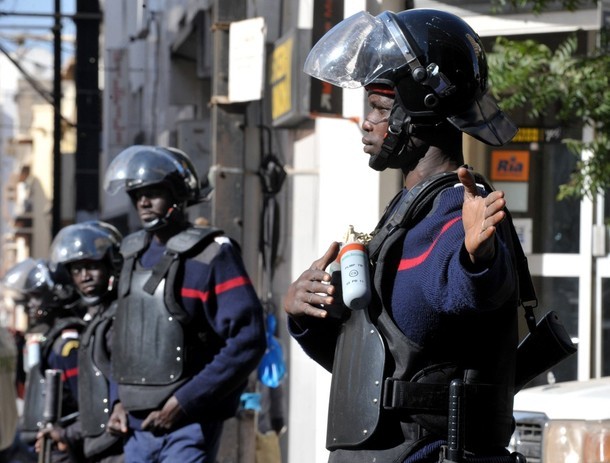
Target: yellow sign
{"points": [[528, 135], [281, 65], [510, 166]]}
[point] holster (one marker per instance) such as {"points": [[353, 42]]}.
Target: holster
{"points": [[542, 348]]}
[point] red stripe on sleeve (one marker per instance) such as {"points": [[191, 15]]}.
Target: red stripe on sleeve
{"points": [[232, 284], [221, 288], [195, 294], [69, 373], [406, 264]]}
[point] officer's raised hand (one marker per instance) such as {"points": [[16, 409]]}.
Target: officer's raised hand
{"points": [[480, 216], [161, 421], [312, 289]]}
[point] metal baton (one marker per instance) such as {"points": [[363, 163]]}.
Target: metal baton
{"points": [[456, 417], [51, 411]]}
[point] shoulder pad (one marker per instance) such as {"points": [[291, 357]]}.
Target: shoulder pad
{"points": [[134, 243], [191, 237], [417, 202]]}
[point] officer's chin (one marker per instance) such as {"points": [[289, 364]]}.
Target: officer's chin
{"points": [[377, 163], [371, 149]]}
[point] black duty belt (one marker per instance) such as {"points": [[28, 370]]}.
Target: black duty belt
{"points": [[433, 398]]}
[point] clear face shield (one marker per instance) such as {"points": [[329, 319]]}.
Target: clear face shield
{"points": [[15, 278], [39, 279], [139, 166], [354, 52], [363, 47], [79, 243]]}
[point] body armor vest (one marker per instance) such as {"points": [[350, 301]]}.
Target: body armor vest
{"points": [[388, 396], [33, 403], [152, 339], [94, 390], [93, 371]]}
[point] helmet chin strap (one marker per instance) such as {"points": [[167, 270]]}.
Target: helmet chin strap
{"points": [[161, 222], [393, 142], [398, 150], [91, 301]]}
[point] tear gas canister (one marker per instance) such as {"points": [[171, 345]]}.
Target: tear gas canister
{"points": [[355, 282]]}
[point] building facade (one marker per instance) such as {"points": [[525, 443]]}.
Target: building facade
{"points": [[172, 72], [168, 80]]}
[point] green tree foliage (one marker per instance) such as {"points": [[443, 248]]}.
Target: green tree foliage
{"points": [[575, 88], [538, 6]]}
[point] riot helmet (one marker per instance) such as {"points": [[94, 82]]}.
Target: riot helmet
{"points": [[142, 166], [53, 283], [15, 278], [92, 240], [435, 60], [381, 85], [48, 291]]}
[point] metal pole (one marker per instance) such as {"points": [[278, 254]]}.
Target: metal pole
{"points": [[56, 209], [88, 112], [227, 148]]}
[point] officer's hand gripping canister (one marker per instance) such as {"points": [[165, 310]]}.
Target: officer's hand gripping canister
{"points": [[355, 282]]}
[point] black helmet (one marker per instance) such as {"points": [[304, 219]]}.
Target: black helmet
{"points": [[53, 285], [91, 240], [435, 59], [34, 278], [140, 166], [15, 279]]}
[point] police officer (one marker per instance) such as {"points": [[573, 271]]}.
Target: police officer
{"points": [[189, 328], [444, 294], [89, 252], [52, 340], [380, 97]]}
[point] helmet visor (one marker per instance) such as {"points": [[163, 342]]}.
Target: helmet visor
{"points": [[39, 279], [139, 166], [15, 278], [81, 242], [358, 50]]}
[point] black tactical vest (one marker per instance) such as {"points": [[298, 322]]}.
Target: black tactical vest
{"points": [[390, 397], [152, 340], [93, 374], [93, 387]]}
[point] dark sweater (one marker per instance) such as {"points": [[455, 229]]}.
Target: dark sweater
{"points": [[222, 293], [439, 299]]}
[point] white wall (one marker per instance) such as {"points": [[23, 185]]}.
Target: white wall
{"points": [[333, 187]]}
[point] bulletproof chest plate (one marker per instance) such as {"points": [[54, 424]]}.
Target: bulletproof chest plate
{"points": [[357, 380], [34, 400], [148, 346], [93, 385]]}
